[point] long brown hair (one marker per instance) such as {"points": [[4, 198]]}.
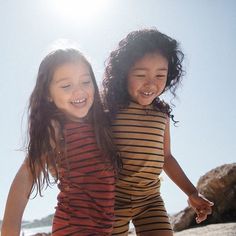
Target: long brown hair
{"points": [[43, 114]]}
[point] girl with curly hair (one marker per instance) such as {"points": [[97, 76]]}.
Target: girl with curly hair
{"points": [[70, 138], [146, 64]]}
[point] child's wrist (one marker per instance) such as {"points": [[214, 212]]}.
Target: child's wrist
{"points": [[192, 193]]}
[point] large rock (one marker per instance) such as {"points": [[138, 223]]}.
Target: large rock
{"points": [[219, 186], [224, 229]]}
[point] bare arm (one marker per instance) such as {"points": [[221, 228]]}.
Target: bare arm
{"points": [[172, 168], [17, 201]]}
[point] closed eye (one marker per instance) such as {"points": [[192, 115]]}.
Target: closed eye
{"points": [[65, 86], [140, 75], [87, 82], [160, 76]]}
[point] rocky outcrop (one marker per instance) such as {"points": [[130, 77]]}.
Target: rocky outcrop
{"points": [[219, 186], [224, 229], [46, 221]]}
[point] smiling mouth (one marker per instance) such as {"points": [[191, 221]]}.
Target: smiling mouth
{"points": [[78, 101], [147, 94]]}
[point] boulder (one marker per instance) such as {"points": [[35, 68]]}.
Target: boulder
{"points": [[219, 186]]}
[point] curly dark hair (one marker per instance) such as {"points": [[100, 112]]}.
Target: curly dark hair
{"points": [[130, 49], [43, 114]]}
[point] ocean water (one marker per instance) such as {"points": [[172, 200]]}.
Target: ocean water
{"points": [[47, 229], [32, 231]]}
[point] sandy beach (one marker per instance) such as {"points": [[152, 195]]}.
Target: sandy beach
{"points": [[226, 229]]}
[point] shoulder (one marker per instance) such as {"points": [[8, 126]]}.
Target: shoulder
{"points": [[162, 106], [55, 133], [55, 124]]}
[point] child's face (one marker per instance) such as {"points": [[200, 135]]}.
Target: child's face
{"points": [[147, 78], [72, 90]]}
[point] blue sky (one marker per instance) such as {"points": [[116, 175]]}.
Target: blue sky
{"points": [[206, 30]]}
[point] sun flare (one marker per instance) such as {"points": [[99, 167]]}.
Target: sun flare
{"points": [[80, 9]]}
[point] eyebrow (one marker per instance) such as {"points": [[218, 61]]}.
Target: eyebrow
{"points": [[67, 78], [61, 79], [144, 68]]}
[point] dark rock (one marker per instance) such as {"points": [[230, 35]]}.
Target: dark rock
{"points": [[219, 186]]}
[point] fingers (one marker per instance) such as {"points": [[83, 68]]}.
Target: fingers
{"points": [[205, 200], [201, 205], [199, 201], [200, 218], [211, 203], [202, 214]]}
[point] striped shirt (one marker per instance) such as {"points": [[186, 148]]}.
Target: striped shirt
{"points": [[139, 136], [86, 183]]}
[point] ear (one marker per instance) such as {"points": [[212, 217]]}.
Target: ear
{"points": [[50, 99]]}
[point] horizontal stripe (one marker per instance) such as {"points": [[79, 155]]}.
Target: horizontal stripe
{"points": [[141, 120], [86, 183]]}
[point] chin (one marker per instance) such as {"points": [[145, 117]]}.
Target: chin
{"points": [[78, 117], [145, 103], [82, 116]]}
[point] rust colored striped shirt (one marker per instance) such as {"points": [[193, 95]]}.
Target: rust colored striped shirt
{"points": [[86, 183]]}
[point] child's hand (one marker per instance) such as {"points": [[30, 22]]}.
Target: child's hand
{"points": [[201, 206]]}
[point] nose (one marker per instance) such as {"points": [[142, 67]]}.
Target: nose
{"points": [[150, 80], [78, 89]]}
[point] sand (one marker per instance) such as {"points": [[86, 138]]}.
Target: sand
{"points": [[226, 229]]}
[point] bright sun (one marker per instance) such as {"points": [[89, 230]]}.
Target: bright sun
{"points": [[80, 9]]}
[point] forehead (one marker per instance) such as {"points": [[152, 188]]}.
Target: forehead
{"points": [[71, 68], [151, 60]]}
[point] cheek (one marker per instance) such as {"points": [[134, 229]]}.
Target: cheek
{"points": [[133, 86], [59, 97], [91, 93], [161, 85]]}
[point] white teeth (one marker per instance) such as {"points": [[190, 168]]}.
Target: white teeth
{"points": [[78, 101], [148, 93]]}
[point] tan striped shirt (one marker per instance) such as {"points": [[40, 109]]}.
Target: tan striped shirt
{"points": [[139, 134]]}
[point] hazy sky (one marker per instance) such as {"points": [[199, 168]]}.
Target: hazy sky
{"points": [[206, 30]]}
